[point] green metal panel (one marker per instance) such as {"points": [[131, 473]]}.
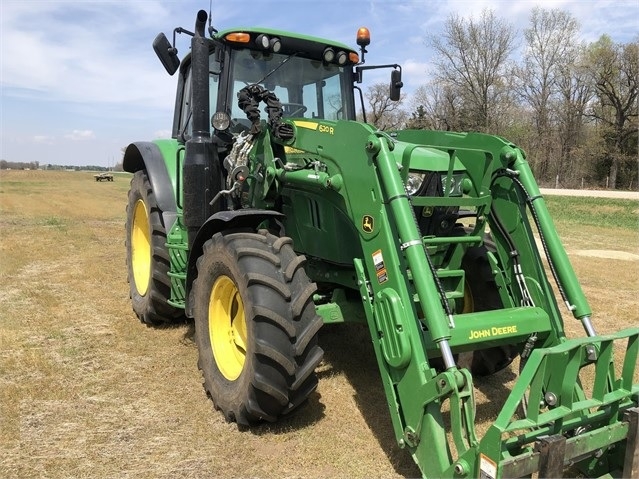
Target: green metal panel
{"points": [[177, 242], [172, 152]]}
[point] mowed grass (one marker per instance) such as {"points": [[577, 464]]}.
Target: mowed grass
{"points": [[88, 391]]}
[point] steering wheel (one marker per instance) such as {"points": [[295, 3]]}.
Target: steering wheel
{"points": [[293, 109]]}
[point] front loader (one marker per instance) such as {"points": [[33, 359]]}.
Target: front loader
{"points": [[264, 228]]}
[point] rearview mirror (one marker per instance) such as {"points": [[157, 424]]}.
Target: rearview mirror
{"points": [[396, 85], [166, 53]]}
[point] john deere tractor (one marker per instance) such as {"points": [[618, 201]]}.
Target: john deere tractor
{"points": [[272, 211]]}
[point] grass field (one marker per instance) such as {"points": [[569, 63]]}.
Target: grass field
{"points": [[88, 391]]}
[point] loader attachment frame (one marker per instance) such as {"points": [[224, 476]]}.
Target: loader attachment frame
{"points": [[571, 427], [563, 425]]}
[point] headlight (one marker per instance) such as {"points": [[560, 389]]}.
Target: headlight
{"points": [[414, 182], [220, 120], [456, 184]]}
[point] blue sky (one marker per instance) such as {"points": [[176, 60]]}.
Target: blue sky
{"points": [[79, 79]]}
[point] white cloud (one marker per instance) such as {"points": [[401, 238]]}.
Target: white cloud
{"points": [[83, 52], [44, 139], [415, 67], [79, 135]]}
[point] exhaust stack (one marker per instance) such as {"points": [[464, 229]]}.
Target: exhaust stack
{"points": [[201, 173]]}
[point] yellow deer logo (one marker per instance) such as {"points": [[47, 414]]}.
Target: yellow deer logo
{"points": [[367, 224]]}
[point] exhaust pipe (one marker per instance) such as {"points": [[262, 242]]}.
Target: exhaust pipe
{"points": [[201, 175], [200, 22]]}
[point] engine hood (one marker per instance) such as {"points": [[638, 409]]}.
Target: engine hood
{"points": [[424, 158]]}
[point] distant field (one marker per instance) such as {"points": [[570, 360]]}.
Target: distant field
{"points": [[88, 391]]}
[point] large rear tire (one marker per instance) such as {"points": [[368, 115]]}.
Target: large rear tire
{"points": [[481, 294], [147, 257], [255, 326]]}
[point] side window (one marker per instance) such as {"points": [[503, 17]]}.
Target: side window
{"points": [[311, 98], [186, 109], [332, 99]]}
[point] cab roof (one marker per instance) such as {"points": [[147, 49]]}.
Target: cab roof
{"points": [[290, 43]]}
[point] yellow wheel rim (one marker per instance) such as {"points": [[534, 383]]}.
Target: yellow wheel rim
{"points": [[141, 248], [227, 328]]}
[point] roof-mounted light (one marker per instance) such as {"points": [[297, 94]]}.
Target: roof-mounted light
{"points": [[262, 41], [328, 55], [275, 44], [353, 57], [342, 57], [363, 37], [238, 37]]}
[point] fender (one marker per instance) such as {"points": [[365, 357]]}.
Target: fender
{"points": [[220, 221], [147, 155]]}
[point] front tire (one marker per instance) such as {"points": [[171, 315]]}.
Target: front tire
{"points": [[255, 326], [147, 257], [481, 294]]}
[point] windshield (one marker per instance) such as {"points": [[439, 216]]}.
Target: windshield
{"points": [[306, 88]]}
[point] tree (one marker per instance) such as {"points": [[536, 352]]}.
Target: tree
{"points": [[551, 45], [575, 94], [471, 60], [384, 113], [439, 106], [614, 71]]}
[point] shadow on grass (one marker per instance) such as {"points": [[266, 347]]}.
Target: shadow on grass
{"points": [[305, 415], [348, 350]]}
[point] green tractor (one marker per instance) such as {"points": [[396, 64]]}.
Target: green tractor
{"points": [[262, 230]]}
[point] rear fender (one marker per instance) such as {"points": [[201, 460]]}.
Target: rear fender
{"points": [[222, 221], [144, 155]]}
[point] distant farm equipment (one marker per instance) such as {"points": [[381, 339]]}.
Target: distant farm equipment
{"points": [[103, 177]]}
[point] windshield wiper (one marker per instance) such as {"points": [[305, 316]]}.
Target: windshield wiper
{"points": [[276, 68]]}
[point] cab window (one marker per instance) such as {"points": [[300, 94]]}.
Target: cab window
{"points": [[185, 128], [306, 88]]}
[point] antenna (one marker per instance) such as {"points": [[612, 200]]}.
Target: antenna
{"points": [[211, 29]]}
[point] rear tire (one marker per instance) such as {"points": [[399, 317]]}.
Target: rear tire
{"points": [[255, 326], [147, 257], [481, 294]]}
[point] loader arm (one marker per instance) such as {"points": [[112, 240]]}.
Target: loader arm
{"points": [[402, 278]]}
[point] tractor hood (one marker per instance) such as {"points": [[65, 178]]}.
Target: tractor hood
{"points": [[424, 158]]}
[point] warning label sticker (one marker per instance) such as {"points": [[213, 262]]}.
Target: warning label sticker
{"points": [[380, 268], [487, 467], [378, 260]]}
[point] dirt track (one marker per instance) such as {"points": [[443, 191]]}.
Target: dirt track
{"points": [[625, 195]]}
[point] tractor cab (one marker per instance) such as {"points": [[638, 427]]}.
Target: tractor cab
{"points": [[311, 77]]}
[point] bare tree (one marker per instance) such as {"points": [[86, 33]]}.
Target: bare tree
{"points": [[614, 69], [438, 106], [575, 93], [551, 45], [472, 56], [384, 113]]}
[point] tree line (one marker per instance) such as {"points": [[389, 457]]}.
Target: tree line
{"points": [[571, 105], [35, 165]]}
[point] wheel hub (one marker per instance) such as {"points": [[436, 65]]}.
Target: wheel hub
{"points": [[141, 248], [227, 328]]}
